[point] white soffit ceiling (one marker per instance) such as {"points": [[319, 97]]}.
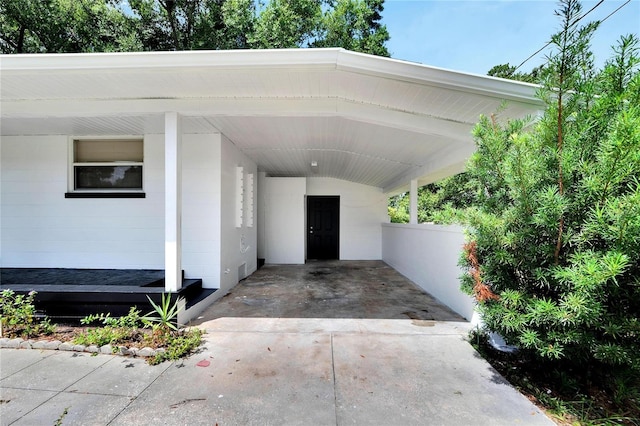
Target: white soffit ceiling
{"points": [[371, 120]]}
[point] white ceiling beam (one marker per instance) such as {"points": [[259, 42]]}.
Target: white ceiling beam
{"points": [[271, 107], [447, 162]]}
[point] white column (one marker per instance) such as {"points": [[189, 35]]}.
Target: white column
{"points": [[413, 202], [172, 202]]}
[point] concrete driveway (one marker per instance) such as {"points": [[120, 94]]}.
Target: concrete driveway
{"points": [[275, 354], [264, 371]]}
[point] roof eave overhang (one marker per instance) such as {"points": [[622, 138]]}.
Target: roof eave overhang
{"points": [[338, 58]]}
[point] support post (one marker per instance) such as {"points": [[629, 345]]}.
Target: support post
{"points": [[172, 202], [413, 202]]}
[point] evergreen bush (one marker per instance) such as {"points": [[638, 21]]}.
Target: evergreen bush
{"points": [[555, 236]]}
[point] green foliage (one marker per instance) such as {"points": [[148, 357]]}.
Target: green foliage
{"points": [[131, 320], [113, 331], [444, 202], [558, 220], [354, 25], [157, 329], [178, 345], [568, 392], [38, 26], [34, 26], [286, 24], [509, 71], [58, 421], [105, 335], [18, 316], [163, 315]]}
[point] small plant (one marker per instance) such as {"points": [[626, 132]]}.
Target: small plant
{"points": [[163, 315], [58, 421], [178, 345], [157, 329], [131, 320], [113, 331], [18, 316]]}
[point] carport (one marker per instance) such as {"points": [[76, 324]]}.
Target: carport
{"points": [[329, 289], [235, 153]]}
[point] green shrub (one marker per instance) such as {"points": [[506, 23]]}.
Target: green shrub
{"points": [[18, 316], [554, 243]]}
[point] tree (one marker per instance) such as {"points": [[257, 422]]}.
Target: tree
{"points": [[32, 26], [287, 24], [168, 24], [39, 26], [442, 202], [238, 18], [554, 241], [355, 25], [509, 71]]}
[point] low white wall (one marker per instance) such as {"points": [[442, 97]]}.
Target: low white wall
{"points": [[362, 209], [428, 255]]}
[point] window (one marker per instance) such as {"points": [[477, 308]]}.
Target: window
{"points": [[106, 168]]}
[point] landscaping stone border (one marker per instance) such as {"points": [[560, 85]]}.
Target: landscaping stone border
{"points": [[57, 345]]}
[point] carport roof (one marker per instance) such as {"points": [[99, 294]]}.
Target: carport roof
{"points": [[362, 118]]}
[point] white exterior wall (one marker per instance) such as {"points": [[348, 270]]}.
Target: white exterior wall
{"points": [[362, 209], [282, 218], [201, 194], [238, 245], [428, 255], [260, 216], [284, 226], [42, 228]]}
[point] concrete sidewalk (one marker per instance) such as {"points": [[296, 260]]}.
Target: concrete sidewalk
{"points": [[273, 372]]}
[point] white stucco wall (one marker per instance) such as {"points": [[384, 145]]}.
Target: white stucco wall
{"points": [[428, 255], [282, 216], [238, 245], [260, 216], [283, 205], [201, 195], [362, 209], [41, 228]]}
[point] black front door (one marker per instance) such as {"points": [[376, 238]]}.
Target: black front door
{"points": [[323, 227]]}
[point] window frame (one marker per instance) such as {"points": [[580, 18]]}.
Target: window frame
{"points": [[73, 192]]}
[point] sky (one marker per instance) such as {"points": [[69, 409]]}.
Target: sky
{"points": [[473, 36]]}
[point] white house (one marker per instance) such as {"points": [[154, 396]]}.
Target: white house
{"points": [[205, 161]]}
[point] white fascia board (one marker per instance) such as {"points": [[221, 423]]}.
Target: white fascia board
{"points": [[220, 59], [432, 76]]}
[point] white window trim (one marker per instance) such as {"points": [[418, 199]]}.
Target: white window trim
{"points": [[72, 164]]}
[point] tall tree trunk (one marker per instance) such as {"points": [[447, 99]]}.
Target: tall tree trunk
{"points": [[20, 44]]}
